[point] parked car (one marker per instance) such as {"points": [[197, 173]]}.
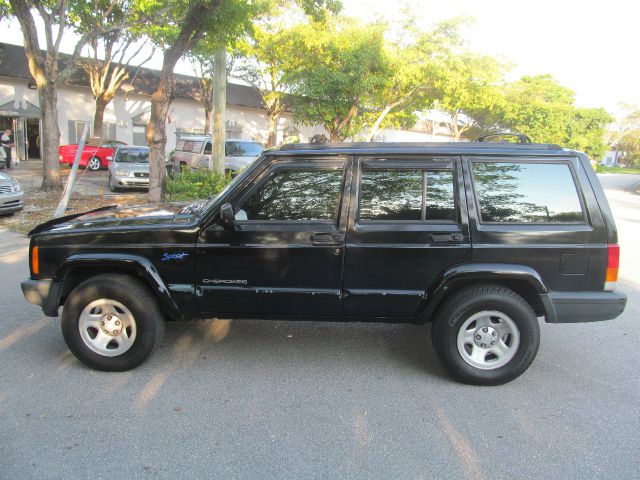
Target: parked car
{"points": [[10, 195], [93, 157], [129, 168], [477, 239], [194, 151]]}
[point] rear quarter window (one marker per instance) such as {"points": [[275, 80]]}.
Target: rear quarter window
{"points": [[526, 193]]}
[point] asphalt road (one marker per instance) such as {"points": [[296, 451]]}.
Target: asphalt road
{"points": [[293, 400]]}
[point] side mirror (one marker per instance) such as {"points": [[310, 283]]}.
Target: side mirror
{"points": [[226, 215]]}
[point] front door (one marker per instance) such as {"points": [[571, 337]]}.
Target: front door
{"points": [[285, 253], [408, 224]]}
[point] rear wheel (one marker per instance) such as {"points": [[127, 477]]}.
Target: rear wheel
{"points": [[94, 164], [486, 335], [112, 322]]}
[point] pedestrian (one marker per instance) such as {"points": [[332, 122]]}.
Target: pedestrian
{"points": [[6, 141]]}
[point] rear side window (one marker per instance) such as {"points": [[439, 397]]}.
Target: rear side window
{"points": [[407, 195], [526, 193]]}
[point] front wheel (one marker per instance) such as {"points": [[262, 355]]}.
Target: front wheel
{"points": [[112, 322], [486, 335]]}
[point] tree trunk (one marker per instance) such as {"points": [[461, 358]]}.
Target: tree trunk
{"points": [[334, 136], [157, 134], [208, 113], [98, 118], [379, 120], [274, 117], [50, 143]]}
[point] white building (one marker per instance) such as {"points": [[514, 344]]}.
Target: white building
{"points": [[127, 115]]}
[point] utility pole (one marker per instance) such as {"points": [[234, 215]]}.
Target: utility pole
{"points": [[219, 107]]}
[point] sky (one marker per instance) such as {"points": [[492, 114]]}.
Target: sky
{"points": [[591, 47]]}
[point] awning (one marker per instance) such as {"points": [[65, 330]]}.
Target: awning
{"points": [[25, 109]]}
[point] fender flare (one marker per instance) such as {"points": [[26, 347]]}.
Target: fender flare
{"points": [[141, 265], [482, 272]]}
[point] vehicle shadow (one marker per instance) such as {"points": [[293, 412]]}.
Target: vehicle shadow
{"points": [[327, 345]]}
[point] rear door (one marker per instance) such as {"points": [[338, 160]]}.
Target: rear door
{"points": [[409, 224]]}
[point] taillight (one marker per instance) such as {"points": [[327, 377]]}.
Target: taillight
{"points": [[35, 265], [613, 263]]}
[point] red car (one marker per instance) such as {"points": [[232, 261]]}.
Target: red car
{"points": [[93, 157]]}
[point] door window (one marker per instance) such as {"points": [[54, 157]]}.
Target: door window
{"points": [[295, 195], [407, 195]]}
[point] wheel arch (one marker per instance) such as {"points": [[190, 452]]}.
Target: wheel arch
{"points": [[523, 280], [79, 267]]}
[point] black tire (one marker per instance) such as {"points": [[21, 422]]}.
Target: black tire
{"points": [[461, 307], [136, 297]]}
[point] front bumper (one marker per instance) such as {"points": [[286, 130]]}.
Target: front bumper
{"points": [[574, 307], [130, 182], [43, 293], [11, 202]]}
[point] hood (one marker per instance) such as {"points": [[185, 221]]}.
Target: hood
{"points": [[121, 217]]}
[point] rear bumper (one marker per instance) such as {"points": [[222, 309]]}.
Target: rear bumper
{"points": [[574, 307], [43, 293]]}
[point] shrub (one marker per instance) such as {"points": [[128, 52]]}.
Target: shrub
{"points": [[196, 185]]}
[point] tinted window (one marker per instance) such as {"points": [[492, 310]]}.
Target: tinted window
{"points": [[407, 195], [526, 193], [295, 195]]}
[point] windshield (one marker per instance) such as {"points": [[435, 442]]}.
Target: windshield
{"points": [[243, 149], [133, 155]]}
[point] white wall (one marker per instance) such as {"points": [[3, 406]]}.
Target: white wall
{"points": [[76, 103]]}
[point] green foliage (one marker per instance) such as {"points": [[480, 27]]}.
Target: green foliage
{"points": [[470, 92], [343, 67], [197, 185], [541, 108]]}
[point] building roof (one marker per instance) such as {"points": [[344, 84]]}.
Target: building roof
{"points": [[13, 64]]}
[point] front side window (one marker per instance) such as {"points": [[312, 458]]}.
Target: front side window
{"points": [[295, 194], [408, 195], [526, 193]]}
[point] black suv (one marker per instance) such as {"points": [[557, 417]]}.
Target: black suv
{"points": [[478, 239]]}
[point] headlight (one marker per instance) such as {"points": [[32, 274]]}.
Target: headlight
{"points": [[15, 187], [123, 173]]}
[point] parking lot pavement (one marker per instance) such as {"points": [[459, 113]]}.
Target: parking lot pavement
{"points": [[29, 174], [262, 399]]}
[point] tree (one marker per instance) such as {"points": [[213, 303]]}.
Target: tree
{"points": [[624, 137], [344, 66], [202, 62], [416, 63], [541, 108], [469, 92], [268, 64], [45, 66], [109, 55]]}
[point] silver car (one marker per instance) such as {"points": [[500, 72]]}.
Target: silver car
{"points": [[194, 151], [10, 194], [129, 168]]}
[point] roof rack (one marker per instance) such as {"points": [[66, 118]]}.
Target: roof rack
{"points": [[522, 138]]}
